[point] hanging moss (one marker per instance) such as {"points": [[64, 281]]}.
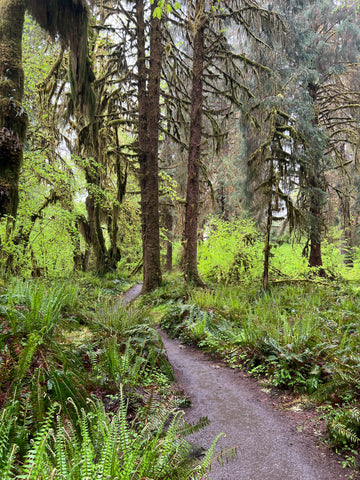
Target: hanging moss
{"points": [[69, 19]]}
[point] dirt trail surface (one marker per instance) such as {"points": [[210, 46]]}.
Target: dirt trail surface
{"points": [[269, 446], [131, 294]]}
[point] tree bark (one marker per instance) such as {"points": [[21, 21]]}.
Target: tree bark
{"points": [[96, 233], [192, 191], [316, 184], [148, 135], [267, 245], [13, 119], [315, 259], [169, 233]]}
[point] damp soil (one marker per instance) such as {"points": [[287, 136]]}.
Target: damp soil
{"points": [[276, 437]]}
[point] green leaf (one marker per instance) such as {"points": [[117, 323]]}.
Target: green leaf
{"points": [[168, 8], [177, 5], [157, 13]]}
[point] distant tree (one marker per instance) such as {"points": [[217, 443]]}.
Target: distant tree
{"points": [[306, 116], [217, 79]]}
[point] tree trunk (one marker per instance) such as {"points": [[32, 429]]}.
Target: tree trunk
{"points": [[96, 234], [121, 177], [267, 245], [13, 119], [149, 115], [169, 233], [316, 183], [192, 192], [347, 226], [315, 258]]}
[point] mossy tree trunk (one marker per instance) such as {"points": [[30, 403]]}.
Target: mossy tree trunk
{"points": [[13, 119], [315, 257], [148, 135], [69, 20], [194, 158]]}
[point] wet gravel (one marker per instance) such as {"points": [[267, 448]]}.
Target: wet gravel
{"points": [[268, 447]]}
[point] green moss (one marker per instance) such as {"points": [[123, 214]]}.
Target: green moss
{"points": [[13, 117], [69, 19]]}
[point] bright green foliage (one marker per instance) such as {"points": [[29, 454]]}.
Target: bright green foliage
{"points": [[303, 337], [105, 448], [231, 251]]}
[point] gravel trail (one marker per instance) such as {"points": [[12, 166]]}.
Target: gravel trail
{"points": [[269, 448]]}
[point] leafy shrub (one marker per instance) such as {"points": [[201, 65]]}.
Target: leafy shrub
{"points": [[230, 251]]}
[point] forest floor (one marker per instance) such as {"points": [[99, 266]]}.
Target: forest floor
{"points": [[276, 436]]}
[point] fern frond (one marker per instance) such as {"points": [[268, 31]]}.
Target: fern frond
{"points": [[342, 433], [33, 468], [26, 355], [188, 429], [124, 434], [60, 453], [6, 422], [87, 467], [109, 454], [6, 470], [208, 458], [170, 444]]}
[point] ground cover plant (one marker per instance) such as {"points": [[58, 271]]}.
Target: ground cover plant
{"points": [[89, 395]]}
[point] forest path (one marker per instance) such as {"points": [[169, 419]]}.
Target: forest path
{"points": [[269, 447]]}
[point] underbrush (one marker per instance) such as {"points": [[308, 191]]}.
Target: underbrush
{"points": [[86, 391], [303, 337]]}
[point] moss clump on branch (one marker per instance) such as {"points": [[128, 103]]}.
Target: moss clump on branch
{"points": [[69, 20]]}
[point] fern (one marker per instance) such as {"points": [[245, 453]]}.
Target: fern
{"points": [[36, 459], [187, 429], [60, 453], [87, 467], [6, 422], [26, 355], [208, 458], [108, 461], [124, 435], [344, 426], [7, 467], [170, 444]]}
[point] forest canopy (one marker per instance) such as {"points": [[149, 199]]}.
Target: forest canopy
{"points": [[127, 126]]}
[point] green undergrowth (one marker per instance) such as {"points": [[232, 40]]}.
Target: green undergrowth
{"points": [[303, 337], [86, 391]]}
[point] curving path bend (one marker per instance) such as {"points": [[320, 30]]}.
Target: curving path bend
{"points": [[268, 447]]}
